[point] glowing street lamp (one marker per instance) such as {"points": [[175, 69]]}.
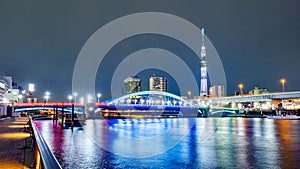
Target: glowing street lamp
{"points": [[75, 95], [98, 97], [81, 100], [47, 96], [20, 97], [89, 98], [241, 86], [189, 94], [282, 81], [70, 97]]}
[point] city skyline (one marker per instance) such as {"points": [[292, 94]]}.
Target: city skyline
{"points": [[257, 41]]}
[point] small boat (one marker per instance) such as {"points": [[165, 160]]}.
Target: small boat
{"points": [[287, 117]]}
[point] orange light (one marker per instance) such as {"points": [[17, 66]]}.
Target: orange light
{"points": [[282, 80], [14, 135], [18, 126], [241, 86]]}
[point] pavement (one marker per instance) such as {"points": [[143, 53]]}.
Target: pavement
{"points": [[16, 145]]}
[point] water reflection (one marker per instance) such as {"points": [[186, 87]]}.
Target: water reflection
{"points": [[178, 143]]}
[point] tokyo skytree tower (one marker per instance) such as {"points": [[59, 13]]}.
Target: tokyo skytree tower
{"points": [[203, 65]]}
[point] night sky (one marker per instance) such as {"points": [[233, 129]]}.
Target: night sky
{"points": [[257, 40]]}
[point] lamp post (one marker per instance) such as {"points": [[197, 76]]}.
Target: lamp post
{"points": [[189, 93], [70, 97], [89, 98], [81, 100], [282, 81], [241, 86], [20, 98], [98, 97], [47, 96], [75, 95]]}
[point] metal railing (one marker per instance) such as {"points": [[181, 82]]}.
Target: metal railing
{"points": [[43, 155]]}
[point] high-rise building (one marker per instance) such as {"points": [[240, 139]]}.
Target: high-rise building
{"points": [[5, 84], [12, 95], [216, 91], [203, 65], [7, 80], [3, 89], [157, 84], [132, 84]]}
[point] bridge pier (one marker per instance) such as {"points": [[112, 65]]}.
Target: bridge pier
{"points": [[72, 126], [62, 116]]}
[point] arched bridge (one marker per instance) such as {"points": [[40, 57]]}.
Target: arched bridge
{"points": [[149, 103], [150, 98]]}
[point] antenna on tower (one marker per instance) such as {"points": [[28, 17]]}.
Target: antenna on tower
{"points": [[203, 51], [202, 31]]}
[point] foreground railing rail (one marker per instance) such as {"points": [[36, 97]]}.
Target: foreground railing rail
{"points": [[43, 155]]}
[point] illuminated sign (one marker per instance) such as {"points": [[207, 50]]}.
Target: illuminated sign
{"points": [[31, 87]]}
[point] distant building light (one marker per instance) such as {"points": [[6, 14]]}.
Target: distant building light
{"points": [[31, 87]]}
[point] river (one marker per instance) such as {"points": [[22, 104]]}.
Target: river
{"points": [[176, 143]]}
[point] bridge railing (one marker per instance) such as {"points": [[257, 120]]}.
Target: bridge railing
{"points": [[43, 155]]}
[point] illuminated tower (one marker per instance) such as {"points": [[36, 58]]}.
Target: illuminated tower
{"points": [[203, 65]]}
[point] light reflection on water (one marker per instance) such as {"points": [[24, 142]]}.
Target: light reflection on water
{"points": [[211, 143]]}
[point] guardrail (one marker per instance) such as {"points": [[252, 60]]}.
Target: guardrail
{"points": [[43, 155]]}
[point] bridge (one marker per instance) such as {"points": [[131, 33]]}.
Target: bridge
{"points": [[269, 98], [50, 109], [139, 104], [67, 107], [158, 103], [150, 104]]}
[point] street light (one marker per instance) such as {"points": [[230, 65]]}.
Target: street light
{"points": [[75, 95], [47, 96], [81, 100], [98, 97], [189, 94], [20, 97], [241, 86], [89, 98], [70, 97], [282, 81]]}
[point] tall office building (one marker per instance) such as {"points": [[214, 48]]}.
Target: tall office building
{"points": [[132, 84], [3, 89], [157, 84], [203, 65], [5, 85], [216, 91]]}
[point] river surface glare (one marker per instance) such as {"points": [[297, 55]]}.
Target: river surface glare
{"points": [[176, 143]]}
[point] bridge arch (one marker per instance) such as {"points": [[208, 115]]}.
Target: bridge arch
{"points": [[150, 97]]}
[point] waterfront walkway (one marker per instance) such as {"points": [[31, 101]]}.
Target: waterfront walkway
{"points": [[15, 145]]}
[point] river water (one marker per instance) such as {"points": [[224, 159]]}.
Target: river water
{"points": [[176, 143]]}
